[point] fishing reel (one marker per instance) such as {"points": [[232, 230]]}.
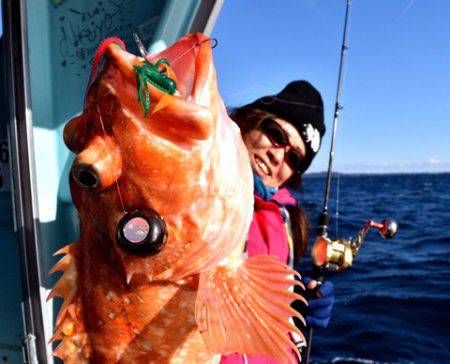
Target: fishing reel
{"points": [[337, 255]]}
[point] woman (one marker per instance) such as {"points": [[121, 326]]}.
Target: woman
{"points": [[283, 134]]}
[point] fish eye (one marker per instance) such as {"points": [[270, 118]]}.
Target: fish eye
{"points": [[142, 233]]}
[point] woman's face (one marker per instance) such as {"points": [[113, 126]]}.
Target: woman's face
{"points": [[269, 161]]}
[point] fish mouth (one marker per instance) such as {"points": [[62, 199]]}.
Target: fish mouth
{"points": [[191, 107], [190, 61]]}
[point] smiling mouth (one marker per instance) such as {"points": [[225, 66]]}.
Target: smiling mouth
{"points": [[262, 166]]}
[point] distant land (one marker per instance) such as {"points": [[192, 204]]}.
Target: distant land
{"points": [[357, 174], [432, 165]]}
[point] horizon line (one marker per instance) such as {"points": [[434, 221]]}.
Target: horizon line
{"points": [[377, 173]]}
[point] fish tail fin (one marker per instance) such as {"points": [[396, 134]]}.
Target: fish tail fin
{"points": [[243, 306]]}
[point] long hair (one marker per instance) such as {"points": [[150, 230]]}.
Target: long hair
{"points": [[248, 118]]}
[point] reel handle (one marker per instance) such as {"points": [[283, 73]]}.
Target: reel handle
{"points": [[388, 228]]}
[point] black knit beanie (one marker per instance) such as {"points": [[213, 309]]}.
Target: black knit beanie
{"points": [[300, 104]]}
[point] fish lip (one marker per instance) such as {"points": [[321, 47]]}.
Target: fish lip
{"points": [[202, 47]]}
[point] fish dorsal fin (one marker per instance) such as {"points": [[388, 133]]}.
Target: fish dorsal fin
{"points": [[244, 307], [70, 327]]}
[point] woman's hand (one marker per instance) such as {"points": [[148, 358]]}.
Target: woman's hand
{"points": [[320, 307]]}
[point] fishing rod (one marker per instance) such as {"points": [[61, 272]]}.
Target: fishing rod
{"points": [[338, 254], [324, 217]]}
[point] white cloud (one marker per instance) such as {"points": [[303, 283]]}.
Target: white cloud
{"points": [[434, 161]]}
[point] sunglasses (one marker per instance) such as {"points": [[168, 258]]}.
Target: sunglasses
{"points": [[279, 139]]}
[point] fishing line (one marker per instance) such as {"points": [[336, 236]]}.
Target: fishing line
{"points": [[337, 203], [93, 75], [343, 97], [143, 51], [273, 98], [214, 42], [324, 219], [137, 232], [144, 54], [115, 179], [257, 86], [344, 83], [404, 11], [387, 25]]}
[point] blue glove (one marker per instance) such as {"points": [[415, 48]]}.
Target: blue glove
{"points": [[319, 309]]}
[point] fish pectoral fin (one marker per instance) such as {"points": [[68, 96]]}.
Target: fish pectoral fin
{"points": [[245, 308]]}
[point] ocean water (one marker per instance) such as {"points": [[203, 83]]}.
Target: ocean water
{"points": [[393, 304]]}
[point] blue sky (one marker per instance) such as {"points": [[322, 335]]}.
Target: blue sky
{"points": [[396, 115]]}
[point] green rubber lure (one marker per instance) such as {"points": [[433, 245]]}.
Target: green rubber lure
{"points": [[150, 73]]}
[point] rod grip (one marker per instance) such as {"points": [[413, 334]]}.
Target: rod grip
{"points": [[317, 275], [323, 223]]}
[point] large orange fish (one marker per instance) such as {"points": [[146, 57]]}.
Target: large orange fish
{"points": [[165, 201]]}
